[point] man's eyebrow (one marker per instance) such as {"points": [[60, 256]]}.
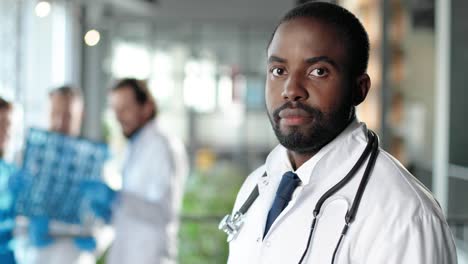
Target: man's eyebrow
{"points": [[274, 58], [311, 60], [326, 59]]}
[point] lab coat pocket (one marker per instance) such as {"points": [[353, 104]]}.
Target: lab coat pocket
{"points": [[327, 231]]}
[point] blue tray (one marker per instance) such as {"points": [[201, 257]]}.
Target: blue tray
{"points": [[54, 166]]}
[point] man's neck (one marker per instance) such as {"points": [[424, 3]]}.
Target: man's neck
{"points": [[297, 159]]}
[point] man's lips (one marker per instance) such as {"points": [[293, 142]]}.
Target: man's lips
{"points": [[294, 117]]}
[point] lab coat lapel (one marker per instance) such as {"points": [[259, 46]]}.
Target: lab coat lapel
{"points": [[331, 169], [325, 170], [338, 161], [276, 165], [264, 190]]}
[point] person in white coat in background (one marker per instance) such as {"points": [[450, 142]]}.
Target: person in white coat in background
{"points": [[375, 213], [146, 215], [6, 113]]}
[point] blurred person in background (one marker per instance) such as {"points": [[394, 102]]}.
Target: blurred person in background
{"points": [[146, 216], [66, 111], [6, 201], [309, 189], [6, 111]]}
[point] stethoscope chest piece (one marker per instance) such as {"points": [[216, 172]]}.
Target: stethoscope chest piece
{"points": [[231, 224]]}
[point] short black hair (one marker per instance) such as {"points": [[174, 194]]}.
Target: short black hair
{"points": [[140, 90], [66, 90], [347, 24]]}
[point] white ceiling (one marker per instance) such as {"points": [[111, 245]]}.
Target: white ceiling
{"points": [[243, 11]]}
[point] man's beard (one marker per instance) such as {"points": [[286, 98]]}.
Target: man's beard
{"points": [[325, 127]]}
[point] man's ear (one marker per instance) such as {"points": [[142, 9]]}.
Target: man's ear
{"points": [[361, 88]]}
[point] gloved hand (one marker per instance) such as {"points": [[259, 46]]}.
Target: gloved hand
{"points": [[6, 235], [85, 243], [7, 257], [39, 231], [7, 221], [6, 251], [18, 182], [99, 198]]}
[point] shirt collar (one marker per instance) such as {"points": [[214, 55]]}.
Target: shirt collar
{"points": [[134, 138], [278, 163]]}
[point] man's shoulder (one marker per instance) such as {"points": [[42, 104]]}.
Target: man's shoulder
{"points": [[153, 137], [395, 188], [156, 147]]}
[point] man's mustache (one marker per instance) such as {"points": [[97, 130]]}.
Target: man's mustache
{"points": [[298, 105]]}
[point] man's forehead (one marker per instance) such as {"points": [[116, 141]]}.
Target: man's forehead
{"points": [[307, 35], [64, 97], [126, 92], [66, 102]]}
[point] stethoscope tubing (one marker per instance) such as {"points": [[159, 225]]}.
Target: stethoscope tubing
{"points": [[371, 149]]}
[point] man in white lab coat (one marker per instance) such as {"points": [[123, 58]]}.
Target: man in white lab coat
{"points": [[146, 217], [317, 61]]}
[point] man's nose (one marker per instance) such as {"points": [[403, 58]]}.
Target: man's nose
{"points": [[294, 89]]}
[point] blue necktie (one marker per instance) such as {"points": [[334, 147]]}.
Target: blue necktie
{"points": [[288, 184]]}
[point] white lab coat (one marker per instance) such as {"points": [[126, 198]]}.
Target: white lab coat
{"points": [[398, 221], [146, 218], [62, 250]]}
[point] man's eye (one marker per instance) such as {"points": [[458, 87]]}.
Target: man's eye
{"points": [[319, 72], [277, 71]]}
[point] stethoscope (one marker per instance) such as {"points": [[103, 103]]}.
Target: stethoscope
{"points": [[232, 224]]}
